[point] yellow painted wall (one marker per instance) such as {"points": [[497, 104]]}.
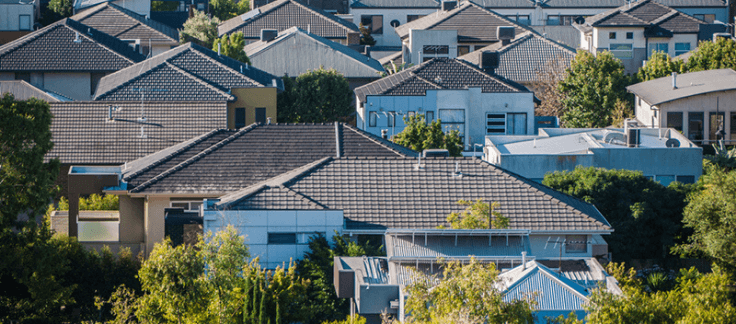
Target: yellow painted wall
{"points": [[251, 98]]}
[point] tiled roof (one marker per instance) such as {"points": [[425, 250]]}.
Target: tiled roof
{"points": [[284, 14], [609, 3], [390, 192], [394, 4], [22, 90], [187, 72], [647, 13], [82, 132], [125, 24], [56, 48], [472, 22], [226, 161], [437, 73], [525, 57]]}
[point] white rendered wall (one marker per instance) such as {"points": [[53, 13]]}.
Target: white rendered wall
{"points": [[389, 36], [419, 38], [10, 16]]}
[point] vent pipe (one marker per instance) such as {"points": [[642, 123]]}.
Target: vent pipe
{"points": [[219, 46], [76, 38], [384, 134], [674, 80], [523, 260], [337, 139], [268, 121]]}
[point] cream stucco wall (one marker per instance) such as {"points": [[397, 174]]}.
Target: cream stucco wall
{"points": [[154, 221], [251, 98]]}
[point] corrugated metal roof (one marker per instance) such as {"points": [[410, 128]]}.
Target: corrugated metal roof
{"points": [[550, 290], [420, 246]]}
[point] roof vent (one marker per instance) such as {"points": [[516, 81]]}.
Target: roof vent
{"points": [[89, 31], [448, 5], [76, 38], [505, 34], [219, 47], [489, 61], [438, 79], [674, 80], [268, 35], [435, 153], [457, 172]]}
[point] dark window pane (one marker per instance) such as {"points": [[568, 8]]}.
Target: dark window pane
{"points": [[686, 179], [576, 244], [716, 125], [462, 50], [429, 116], [281, 238], [23, 76], [695, 126], [733, 125], [372, 119], [239, 117], [377, 25], [674, 120], [261, 115]]}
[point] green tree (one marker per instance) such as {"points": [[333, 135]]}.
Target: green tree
{"points": [[419, 136], [93, 202], [365, 36], [164, 5], [64, 8], [477, 216], [226, 9], [199, 29], [232, 46], [713, 55], [314, 97], [466, 293], [646, 216], [591, 88], [659, 65]]}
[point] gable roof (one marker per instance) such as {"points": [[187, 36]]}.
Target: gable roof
{"points": [[55, 48], [284, 14], [472, 22], [555, 292], [22, 90], [390, 192], [249, 155], [83, 133], [594, 3], [436, 74], [296, 51], [393, 4], [660, 20], [187, 72], [125, 24], [659, 91], [525, 57]]}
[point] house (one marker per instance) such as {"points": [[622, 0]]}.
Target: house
{"points": [[661, 154], [633, 31], [149, 36], [284, 14], [697, 104], [66, 57], [17, 18], [22, 90], [462, 96], [141, 7], [454, 31], [190, 72], [523, 59], [382, 16], [329, 6], [213, 164], [376, 195], [295, 51]]}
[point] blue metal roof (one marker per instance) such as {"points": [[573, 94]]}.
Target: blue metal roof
{"points": [[553, 292]]}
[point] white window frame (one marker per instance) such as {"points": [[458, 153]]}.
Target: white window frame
{"points": [[628, 54], [495, 117], [448, 126], [372, 119], [656, 47], [189, 203]]}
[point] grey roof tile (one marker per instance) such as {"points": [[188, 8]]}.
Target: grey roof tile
{"points": [[53, 48], [395, 4], [658, 18], [125, 24]]}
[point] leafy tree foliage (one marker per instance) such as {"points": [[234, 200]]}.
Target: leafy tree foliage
{"points": [[365, 36], [393, 68], [357, 319], [659, 65], [713, 55], [232, 46], [64, 8], [419, 136], [466, 293], [164, 5], [226, 9], [94, 202], [199, 29], [591, 89], [477, 216], [646, 216], [315, 97], [546, 87]]}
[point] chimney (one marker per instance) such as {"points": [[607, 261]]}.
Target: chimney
{"points": [[523, 260], [384, 134], [674, 80], [448, 5], [268, 35], [505, 34]]}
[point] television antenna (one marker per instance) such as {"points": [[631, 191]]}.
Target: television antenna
{"points": [[563, 242], [142, 119]]}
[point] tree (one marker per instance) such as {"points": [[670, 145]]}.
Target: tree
{"points": [[199, 29], [477, 216], [466, 293], [419, 136], [316, 96], [365, 36], [393, 68], [546, 87], [64, 8], [164, 5], [659, 65], [591, 89], [226, 9], [720, 54], [646, 216], [232, 46]]}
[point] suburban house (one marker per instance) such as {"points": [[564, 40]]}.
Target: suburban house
{"points": [[22, 90], [284, 14], [66, 57], [701, 105], [160, 191], [382, 16], [329, 6], [462, 96], [141, 7], [190, 72], [295, 51], [662, 154], [17, 18], [525, 59], [148, 36], [633, 31]]}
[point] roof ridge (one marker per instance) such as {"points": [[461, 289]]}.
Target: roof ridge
{"points": [[324, 14], [664, 17], [242, 75], [425, 80], [488, 75], [201, 81], [15, 44], [150, 69], [144, 21], [636, 5], [100, 34], [374, 139], [90, 11], [304, 198], [193, 159], [168, 157]]}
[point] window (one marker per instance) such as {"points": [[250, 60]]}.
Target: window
{"points": [[261, 115], [716, 125], [374, 23], [659, 47], [560, 20], [681, 48], [629, 35], [281, 238], [410, 18], [695, 126], [391, 120], [612, 35], [372, 119], [462, 50], [709, 18], [495, 123], [395, 23], [453, 119], [410, 114], [733, 126], [674, 120], [553, 20], [686, 179], [665, 180], [239, 118], [24, 22], [522, 19], [429, 116], [576, 244], [516, 123], [192, 205], [436, 49], [622, 51]]}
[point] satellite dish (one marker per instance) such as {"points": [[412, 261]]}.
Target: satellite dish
{"points": [[672, 143], [579, 20]]}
